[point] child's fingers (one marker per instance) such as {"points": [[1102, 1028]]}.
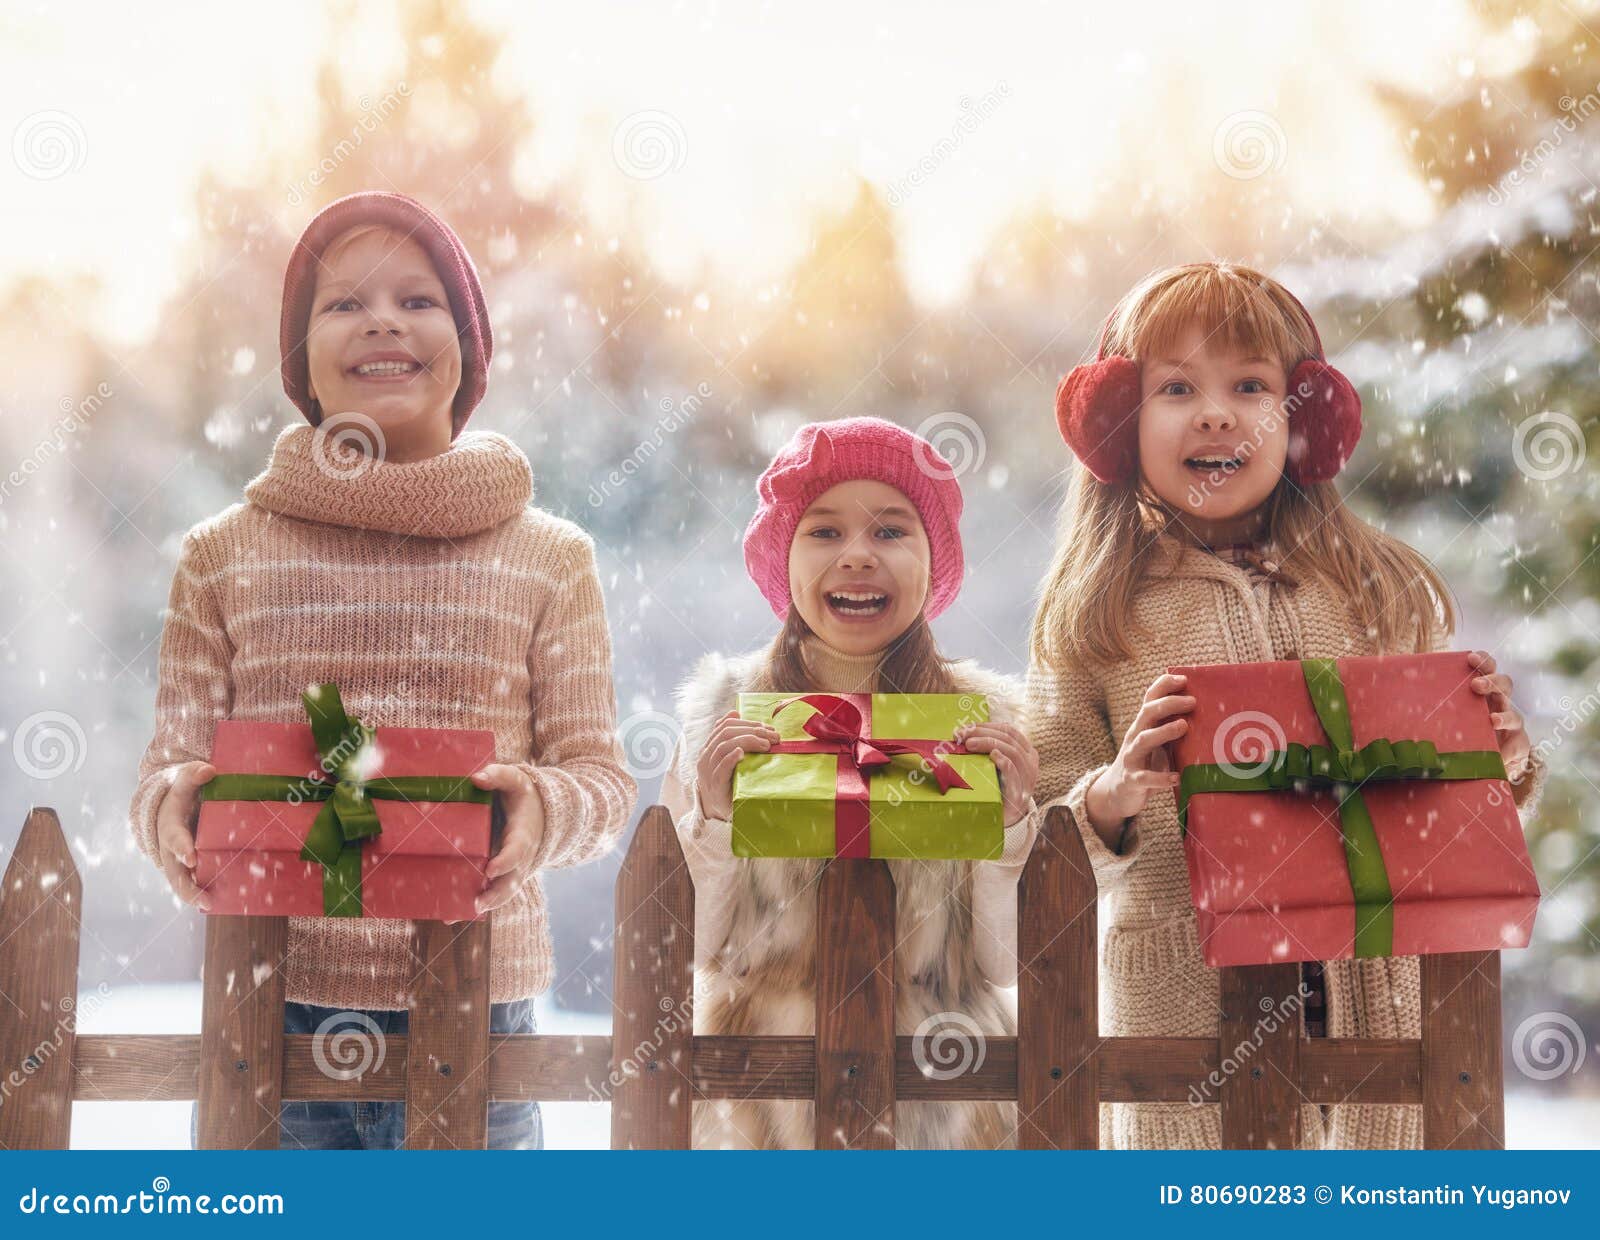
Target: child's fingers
{"points": [[1154, 738], [181, 880], [1153, 712], [1481, 660], [1164, 685], [1509, 720], [514, 854], [502, 777], [497, 893], [733, 725], [1153, 779], [175, 840]]}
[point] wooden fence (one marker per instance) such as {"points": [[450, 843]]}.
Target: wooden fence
{"points": [[446, 1069]]}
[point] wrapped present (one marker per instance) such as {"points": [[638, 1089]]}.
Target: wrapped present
{"points": [[1337, 808], [336, 819], [867, 775]]}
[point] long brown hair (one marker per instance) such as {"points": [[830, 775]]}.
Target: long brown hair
{"points": [[1110, 537], [910, 664]]}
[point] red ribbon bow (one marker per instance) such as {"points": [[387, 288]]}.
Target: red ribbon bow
{"points": [[841, 727]]}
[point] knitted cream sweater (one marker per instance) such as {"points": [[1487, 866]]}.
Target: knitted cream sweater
{"points": [[435, 596], [1153, 981]]}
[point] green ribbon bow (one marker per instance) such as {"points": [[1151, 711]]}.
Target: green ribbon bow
{"points": [[1343, 769], [347, 817]]}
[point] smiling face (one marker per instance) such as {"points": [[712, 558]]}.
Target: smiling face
{"points": [[382, 341], [859, 566], [1213, 435]]}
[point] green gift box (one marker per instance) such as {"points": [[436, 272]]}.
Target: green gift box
{"points": [[867, 775]]}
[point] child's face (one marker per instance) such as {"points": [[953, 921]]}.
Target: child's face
{"points": [[1213, 436], [858, 566], [381, 302]]}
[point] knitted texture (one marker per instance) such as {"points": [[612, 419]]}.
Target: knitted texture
{"points": [[411, 219], [495, 620], [822, 455], [1153, 980]]}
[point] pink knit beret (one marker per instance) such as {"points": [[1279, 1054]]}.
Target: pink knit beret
{"points": [[824, 454], [450, 259]]}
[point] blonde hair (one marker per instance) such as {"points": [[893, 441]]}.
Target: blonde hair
{"points": [[341, 243], [1110, 543], [911, 664]]}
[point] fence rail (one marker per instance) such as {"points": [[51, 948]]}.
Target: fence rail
{"points": [[449, 1066]]}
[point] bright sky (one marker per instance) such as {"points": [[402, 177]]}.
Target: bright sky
{"points": [[767, 112]]}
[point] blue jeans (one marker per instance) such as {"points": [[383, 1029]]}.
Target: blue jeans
{"points": [[382, 1125]]}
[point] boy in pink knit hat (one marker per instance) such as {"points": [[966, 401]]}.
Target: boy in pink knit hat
{"points": [[856, 545], [388, 550]]}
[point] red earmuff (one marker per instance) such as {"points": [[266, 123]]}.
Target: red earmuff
{"points": [[1097, 407]]}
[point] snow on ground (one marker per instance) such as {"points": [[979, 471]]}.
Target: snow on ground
{"points": [[1535, 1119]]}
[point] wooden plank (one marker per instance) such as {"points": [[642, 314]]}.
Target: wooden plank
{"points": [[855, 1042], [1157, 1069], [1386, 1070], [1463, 1072], [548, 1068], [241, 1033], [447, 1041], [138, 1067], [1259, 1057], [1058, 1012], [39, 911], [652, 1028]]}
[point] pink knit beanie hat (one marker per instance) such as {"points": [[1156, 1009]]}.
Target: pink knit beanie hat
{"points": [[409, 218], [824, 454]]}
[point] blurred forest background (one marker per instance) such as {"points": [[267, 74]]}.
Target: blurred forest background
{"points": [[649, 395]]}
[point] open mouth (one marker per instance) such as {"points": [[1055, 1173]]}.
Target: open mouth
{"points": [[385, 370], [857, 604], [1214, 463]]}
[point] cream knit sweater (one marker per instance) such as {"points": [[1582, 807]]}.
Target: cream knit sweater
{"points": [[1152, 979], [434, 595]]}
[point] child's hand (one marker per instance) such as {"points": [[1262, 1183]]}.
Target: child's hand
{"points": [[509, 868], [1141, 765], [730, 740], [1515, 751], [175, 819], [1014, 757]]}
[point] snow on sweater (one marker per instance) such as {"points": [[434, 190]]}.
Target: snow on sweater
{"points": [[434, 595]]}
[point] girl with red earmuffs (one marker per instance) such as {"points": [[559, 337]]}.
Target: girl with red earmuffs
{"points": [[1204, 527]]}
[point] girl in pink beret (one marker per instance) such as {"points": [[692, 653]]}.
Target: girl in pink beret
{"points": [[856, 545]]}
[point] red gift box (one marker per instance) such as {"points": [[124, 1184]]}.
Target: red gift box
{"points": [[1392, 806], [426, 863]]}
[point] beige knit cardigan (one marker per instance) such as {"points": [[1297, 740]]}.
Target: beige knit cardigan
{"points": [[1153, 981], [435, 596]]}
